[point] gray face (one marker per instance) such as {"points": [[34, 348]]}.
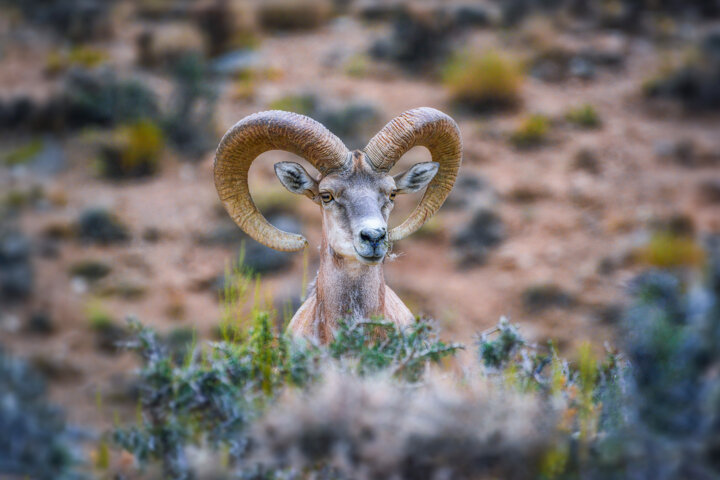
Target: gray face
{"points": [[355, 212], [356, 204]]}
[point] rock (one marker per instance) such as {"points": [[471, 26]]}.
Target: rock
{"points": [[473, 15], [51, 159], [90, 270], [471, 189], [18, 112], [40, 322], [586, 159], [110, 338], [97, 225], [74, 20], [163, 44], [696, 85], [236, 62], [474, 241], [16, 273], [609, 314], [264, 260], [379, 10], [543, 296], [420, 40], [354, 122], [581, 67], [101, 98], [709, 190], [686, 153]]}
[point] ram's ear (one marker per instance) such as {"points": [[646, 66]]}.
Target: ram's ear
{"points": [[416, 178], [296, 179]]}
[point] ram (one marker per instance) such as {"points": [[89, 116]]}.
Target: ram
{"points": [[355, 193]]}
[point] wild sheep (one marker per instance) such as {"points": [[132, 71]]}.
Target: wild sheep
{"points": [[355, 194]]}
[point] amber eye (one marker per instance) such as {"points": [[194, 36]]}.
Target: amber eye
{"points": [[326, 197], [392, 195]]}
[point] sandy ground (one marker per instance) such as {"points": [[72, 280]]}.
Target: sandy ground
{"points": [[580, 220]]}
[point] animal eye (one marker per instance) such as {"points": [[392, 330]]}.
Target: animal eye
{"points": [[326, 197], [392, 195]]}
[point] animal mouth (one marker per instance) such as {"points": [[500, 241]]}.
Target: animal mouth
{"points": [[369, 259]]}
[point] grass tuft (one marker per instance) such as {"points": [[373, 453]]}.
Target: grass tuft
{"points": [[532, 132], [490, 81], [584, 116]]}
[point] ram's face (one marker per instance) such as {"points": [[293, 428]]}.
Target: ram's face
{"points": [[356, 203], [355, 209]]}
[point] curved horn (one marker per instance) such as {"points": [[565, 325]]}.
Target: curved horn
{"points": [[438, 133], [256, 134]]}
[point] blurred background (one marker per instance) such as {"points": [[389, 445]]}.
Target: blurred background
{"points": [[591, 153]]}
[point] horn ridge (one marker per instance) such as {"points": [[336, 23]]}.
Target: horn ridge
{"points": [[259, 133], [437, 132]]}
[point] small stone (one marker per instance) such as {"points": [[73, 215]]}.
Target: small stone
{"points": [[586, 159], [97, 225], [40, 322], [709, 190], [474, 241], [540, 297]]}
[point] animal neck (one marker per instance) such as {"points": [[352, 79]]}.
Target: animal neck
{"points": [[347, 288]]}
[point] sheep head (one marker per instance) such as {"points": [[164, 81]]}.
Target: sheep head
{"points": [[354, 189]]}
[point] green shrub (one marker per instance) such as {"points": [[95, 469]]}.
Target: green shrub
{"points": [[532, 132], [24, 153], [34, 439], [189, 122], [133, 151], [293, 14], [584, 116], [491, 81], [368, 402], [98, 317]]}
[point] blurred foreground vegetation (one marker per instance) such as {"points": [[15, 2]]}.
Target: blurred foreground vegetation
{"points": [[380, 402]]}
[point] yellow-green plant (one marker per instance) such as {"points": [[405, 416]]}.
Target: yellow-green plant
{"points": [[584, 116], [532, 131], [485, 82], [667, 250], [133, 150]]}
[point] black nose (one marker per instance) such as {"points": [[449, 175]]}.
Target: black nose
{"points": [[373, 235]]}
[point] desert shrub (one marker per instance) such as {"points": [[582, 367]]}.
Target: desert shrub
{"points": [[90, 270], [224, 25], [75, 20], [215, 392], [97, 225], [354, 122], [293, 14], [420, 39], [532, 131], [693, 83], [667, 249], [165, 44], [189, 122], [132, 151], [34, 441], [24, 153], [103, 99], [584, 116], [80, 56], [368, 406], [370, 428], [490, 81]]}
